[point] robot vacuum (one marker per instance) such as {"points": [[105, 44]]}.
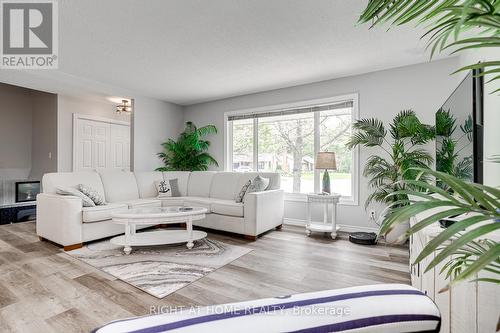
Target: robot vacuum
{"points": [[363, 238]]}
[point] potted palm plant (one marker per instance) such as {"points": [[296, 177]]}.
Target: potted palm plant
{"points": [[189, 152], [399, 149]]}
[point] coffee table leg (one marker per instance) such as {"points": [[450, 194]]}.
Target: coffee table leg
{"points": [[189, 226], [127, 249]]}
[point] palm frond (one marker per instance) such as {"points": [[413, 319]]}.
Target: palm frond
{"points": [[189, 152], [387, 175], [479, 202], [368, 132]]}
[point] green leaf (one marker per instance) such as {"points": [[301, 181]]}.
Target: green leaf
{"points": [[435, 218], [189, 152], [457, 243], [480, 263]]}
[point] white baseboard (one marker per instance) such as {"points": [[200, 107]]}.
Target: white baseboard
{"points": [[343, 227]]}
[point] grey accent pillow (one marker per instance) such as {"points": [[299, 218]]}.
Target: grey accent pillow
{"points": [[174, 187], [258, 184], [92, 194], [163, 188], [243, 191], [86, 201]]}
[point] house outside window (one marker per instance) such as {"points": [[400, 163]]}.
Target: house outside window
{"points": [[286, 139]]}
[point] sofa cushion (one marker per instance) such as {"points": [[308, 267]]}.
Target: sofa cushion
{"points": [[243, 191], [274, 179], [225, 185], [173, 185], [146, 183], [258, 184], [198, 202], [101, 213], [119, 185], [86, 201], [163, 188], [51, 181], [172, 201], [91, 193], [182, 179], [226, 207], [142, 203], [199, 183]]}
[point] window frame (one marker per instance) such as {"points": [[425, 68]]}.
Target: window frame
{"points": [[299, 197]]}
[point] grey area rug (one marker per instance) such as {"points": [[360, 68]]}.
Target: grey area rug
{"points": [[163, 269]]}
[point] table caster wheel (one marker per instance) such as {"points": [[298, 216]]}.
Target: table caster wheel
{"points": [[308, 233], [333, 235], [127, 250], [190, 245]]}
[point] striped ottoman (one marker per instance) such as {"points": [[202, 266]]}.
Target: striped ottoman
{"points": [[380, 308]]}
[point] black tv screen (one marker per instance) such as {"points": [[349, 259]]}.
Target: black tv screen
{"points": [[459, 131], [27, 191]]}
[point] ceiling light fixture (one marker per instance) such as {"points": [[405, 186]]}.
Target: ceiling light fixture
{"points": [[124, 107]]}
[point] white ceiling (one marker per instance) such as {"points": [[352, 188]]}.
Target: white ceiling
{"points": [[190, 51]]}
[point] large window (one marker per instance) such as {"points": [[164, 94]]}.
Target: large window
{"points": [[286, 140]]}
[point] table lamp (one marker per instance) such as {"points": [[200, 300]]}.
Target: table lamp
{"points": [[326, 161]]}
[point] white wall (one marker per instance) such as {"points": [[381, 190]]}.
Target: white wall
{"points": [[154, 122], [156, 119], [66, 107], [422, 87]]}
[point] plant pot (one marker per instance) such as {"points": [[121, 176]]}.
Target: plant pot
{"points": [[393, 236]]}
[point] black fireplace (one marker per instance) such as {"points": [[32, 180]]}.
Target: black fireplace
{"points": [[27, 191]]}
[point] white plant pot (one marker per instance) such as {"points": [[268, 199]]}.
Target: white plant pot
{"points": [[392, 236]]}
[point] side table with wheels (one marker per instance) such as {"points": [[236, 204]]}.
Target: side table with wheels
{"points": [[327, 201]]}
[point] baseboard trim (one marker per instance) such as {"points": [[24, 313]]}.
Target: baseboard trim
{"points": [[343, 227]]}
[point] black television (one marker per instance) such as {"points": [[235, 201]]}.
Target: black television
{"points": [[459, 131], [27, 191]]}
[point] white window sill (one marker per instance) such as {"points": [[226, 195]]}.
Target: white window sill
{"points": [[302, 197]]}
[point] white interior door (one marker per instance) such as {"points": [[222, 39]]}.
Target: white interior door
{"points": [[100, 144], [120, 147]]}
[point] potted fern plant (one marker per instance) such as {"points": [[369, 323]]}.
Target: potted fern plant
{"points": [[401, 149], [189, 152]]}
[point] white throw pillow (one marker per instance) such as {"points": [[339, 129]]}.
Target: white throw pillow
{"points": [[86, 201], [92, 194], [163, 189], [243, 191], [258, 184]]}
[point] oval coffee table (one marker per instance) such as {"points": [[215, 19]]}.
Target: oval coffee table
{"points": [[151, 216]]}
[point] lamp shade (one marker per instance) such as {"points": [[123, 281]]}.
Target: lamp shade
{"points": [[326, 160]]}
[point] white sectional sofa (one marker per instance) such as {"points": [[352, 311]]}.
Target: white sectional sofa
{"points": [[63, 220]]}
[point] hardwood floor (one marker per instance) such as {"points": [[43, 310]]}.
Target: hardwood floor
{"points": [[45, 290]]}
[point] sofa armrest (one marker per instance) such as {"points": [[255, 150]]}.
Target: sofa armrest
{"points": [[263, 211], [59, 218]]}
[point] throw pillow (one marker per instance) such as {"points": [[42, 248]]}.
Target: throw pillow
{"points": [[174, 187], [163, 188], [239, 197], [92, 194], [86, 201], [258, 184]]}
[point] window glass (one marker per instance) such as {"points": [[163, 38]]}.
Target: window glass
{"points": [[242, 145], [335, 130], [286, 145]]}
